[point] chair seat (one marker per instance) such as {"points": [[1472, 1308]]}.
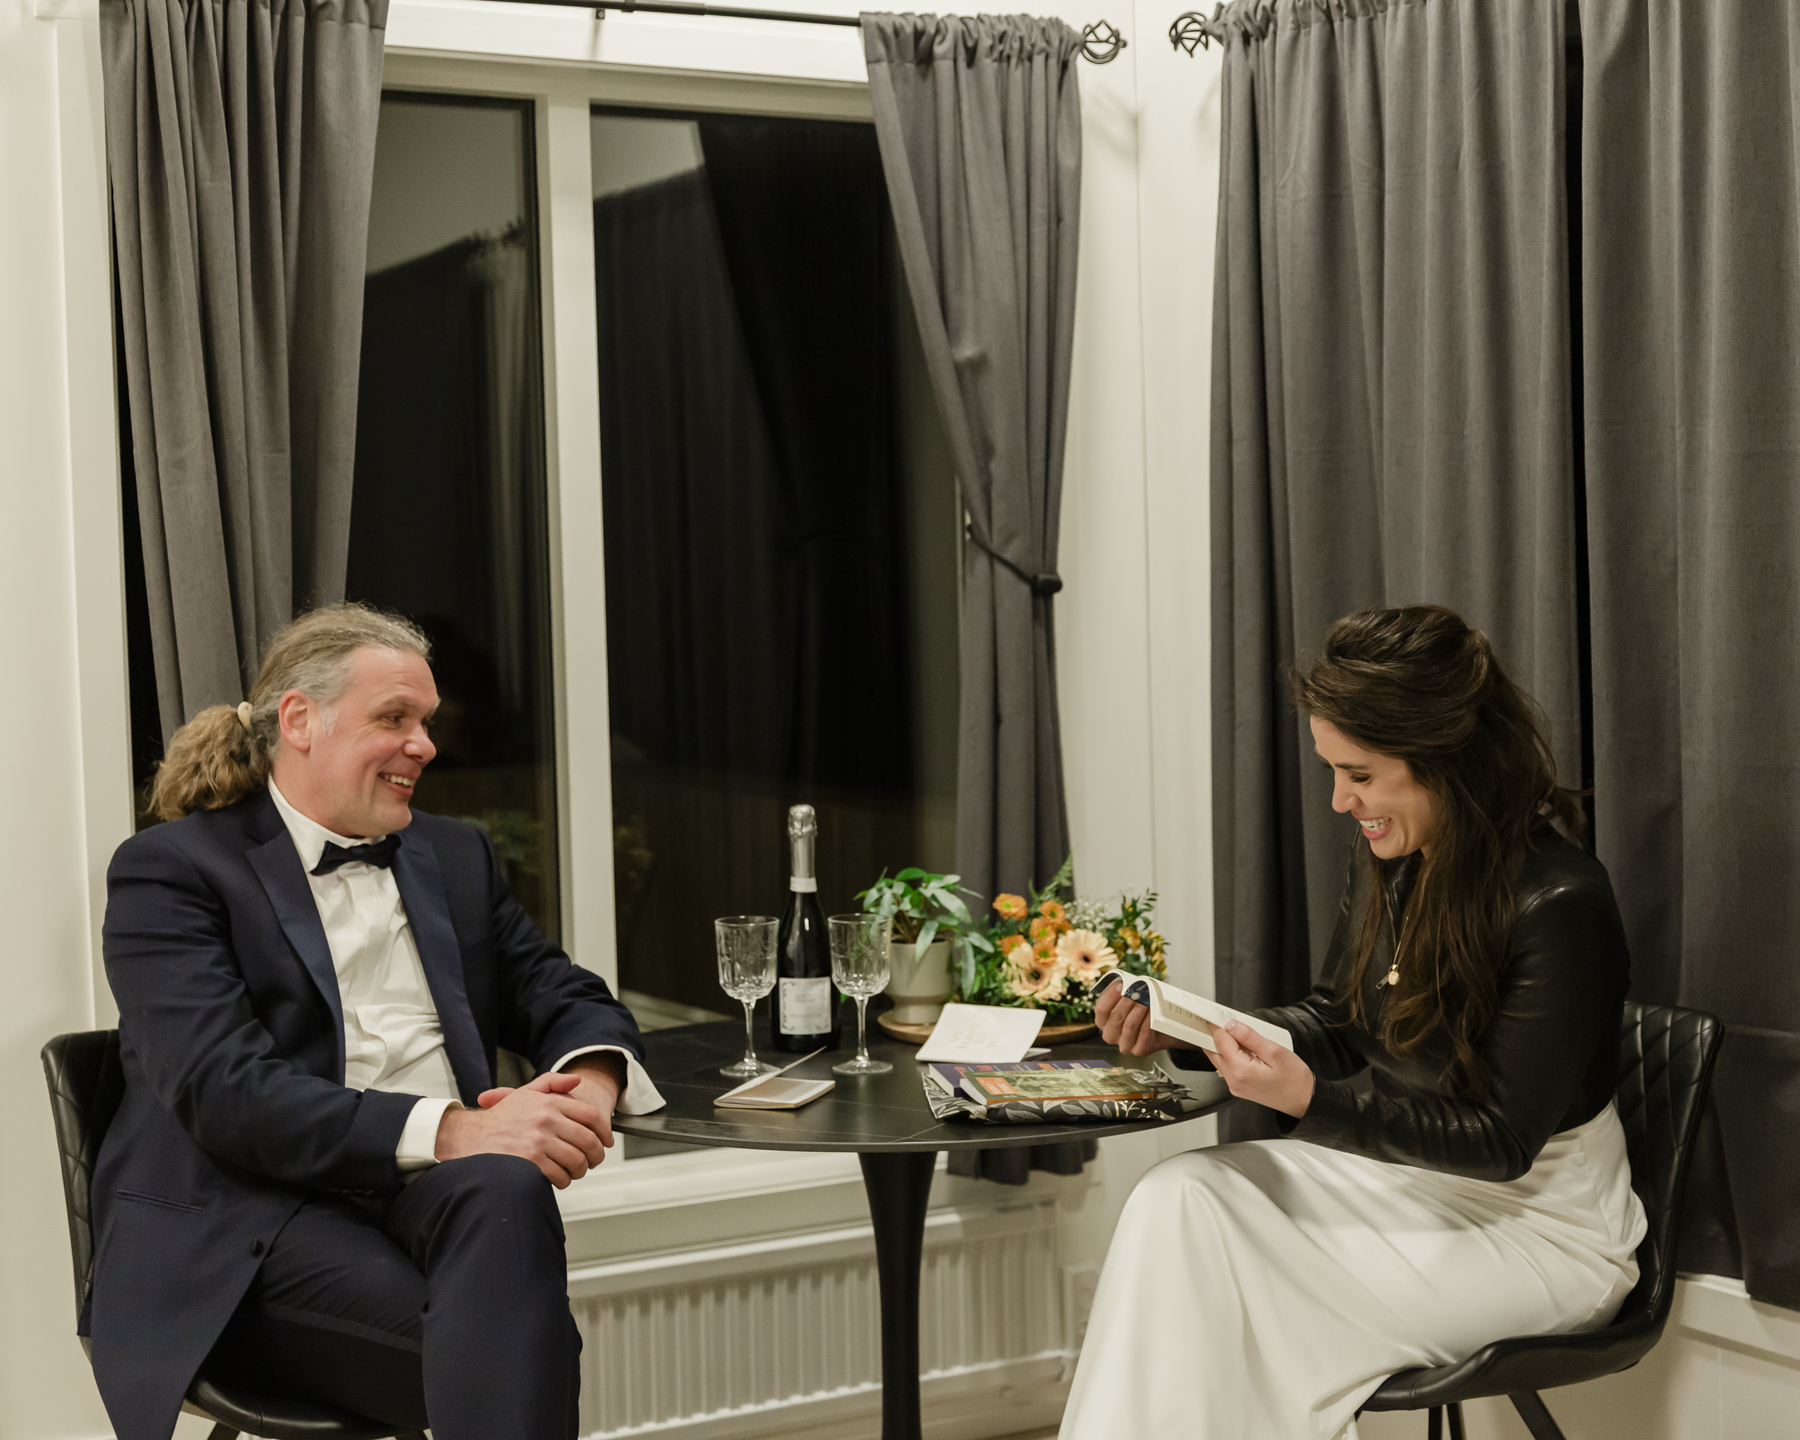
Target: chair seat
{"points": [[277, 1417], [1508, 1367]]}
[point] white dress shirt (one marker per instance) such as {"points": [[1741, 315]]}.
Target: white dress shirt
{"points": [[392, 1038]]}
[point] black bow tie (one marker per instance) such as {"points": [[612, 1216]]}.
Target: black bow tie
{"points": [[379, 852]]}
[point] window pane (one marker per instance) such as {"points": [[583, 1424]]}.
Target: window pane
{"points": [[448, 520], [782, 532]]}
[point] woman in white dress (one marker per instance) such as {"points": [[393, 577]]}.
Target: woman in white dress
{"points": [[1453, 1170]]}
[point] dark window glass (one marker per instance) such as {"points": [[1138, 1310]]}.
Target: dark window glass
{"points": [[448, 521], [782, 532]]}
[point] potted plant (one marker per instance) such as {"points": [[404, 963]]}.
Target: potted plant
{"points": [[929, 915]]}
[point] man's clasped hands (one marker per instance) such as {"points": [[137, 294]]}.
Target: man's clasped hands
{"points": [[561, 1121]]}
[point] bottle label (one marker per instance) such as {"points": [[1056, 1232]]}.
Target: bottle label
{"points": [[805, 1006], [803, 884]]}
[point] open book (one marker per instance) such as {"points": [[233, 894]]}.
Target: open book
{"points": [[1185, 1015]]}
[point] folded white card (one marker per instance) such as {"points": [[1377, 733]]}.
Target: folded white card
{"points": [[985, 1034]]}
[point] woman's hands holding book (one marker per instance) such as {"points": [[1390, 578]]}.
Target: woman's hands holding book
{"points": [[1126, 1024], [1253, 1067], [1256, 1068]]}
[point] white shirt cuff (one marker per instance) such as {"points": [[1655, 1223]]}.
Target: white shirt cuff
{"points": [[639, 1096], [418, 1141]]}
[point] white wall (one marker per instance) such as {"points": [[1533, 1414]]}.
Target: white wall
{"points": [[48, 169]]}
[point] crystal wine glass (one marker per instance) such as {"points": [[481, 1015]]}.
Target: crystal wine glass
{"points": [[859, 967], [747, 973]]}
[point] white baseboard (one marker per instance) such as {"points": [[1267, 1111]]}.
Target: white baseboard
{"points": [[985, 1400]]}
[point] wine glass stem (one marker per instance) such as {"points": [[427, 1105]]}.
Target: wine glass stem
{"points": [[749, 1032], [862, 1044]]}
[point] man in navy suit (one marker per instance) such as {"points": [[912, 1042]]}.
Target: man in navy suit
{"points": [[312, 1183]]}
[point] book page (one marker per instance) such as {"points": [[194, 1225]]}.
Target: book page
{"points": [[982, 1033]]}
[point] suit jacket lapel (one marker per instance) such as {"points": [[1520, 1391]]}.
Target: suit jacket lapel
{"points": [[428, 913], [277, 865]]}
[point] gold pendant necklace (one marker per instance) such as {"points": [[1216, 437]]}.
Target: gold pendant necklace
{"points": [[1393, 975]]}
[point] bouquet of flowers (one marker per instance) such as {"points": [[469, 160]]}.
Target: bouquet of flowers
{"points": [[1049, 950]]}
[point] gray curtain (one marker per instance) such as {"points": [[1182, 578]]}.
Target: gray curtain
{"points": [[979, 122], [1691, 305], [1391, 371], [241, 141]]}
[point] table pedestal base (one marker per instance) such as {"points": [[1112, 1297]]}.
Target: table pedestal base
{"points": [[899, 1186]]}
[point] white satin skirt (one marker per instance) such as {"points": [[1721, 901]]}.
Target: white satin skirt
{"points": [[1265, 1290]]}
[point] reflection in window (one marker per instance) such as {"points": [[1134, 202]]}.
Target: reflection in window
{"points": [[781, 532], [448, 520]]}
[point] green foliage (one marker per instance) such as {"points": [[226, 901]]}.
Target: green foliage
{"points": [[923, 907]]}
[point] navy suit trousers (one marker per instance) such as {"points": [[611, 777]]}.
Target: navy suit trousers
{"points": [[445, 1307]]}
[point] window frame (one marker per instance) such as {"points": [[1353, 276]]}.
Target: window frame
{"points": [[562, 105], [562, 101]]}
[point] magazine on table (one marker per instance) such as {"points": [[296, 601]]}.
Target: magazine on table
{"points": [[1082, 1083], [1053, 1092], [1185, 1015]]}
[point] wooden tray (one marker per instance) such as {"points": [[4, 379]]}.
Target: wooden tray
{"points": [[1049, 1035]]}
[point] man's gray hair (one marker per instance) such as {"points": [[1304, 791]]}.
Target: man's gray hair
{"points": [[225, 752]]}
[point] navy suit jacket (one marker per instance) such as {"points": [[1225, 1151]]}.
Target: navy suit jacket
{"points": [[232, 1037]]}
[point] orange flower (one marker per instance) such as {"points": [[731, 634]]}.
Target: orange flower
{"points": [[1041, 930], [1054, 912], [1128, 937], [1011, 907]]}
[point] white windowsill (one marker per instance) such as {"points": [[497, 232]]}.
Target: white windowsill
{"points": [[703, 1177]]}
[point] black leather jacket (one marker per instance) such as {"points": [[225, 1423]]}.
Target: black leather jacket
{"points": [[1552, 1052]]}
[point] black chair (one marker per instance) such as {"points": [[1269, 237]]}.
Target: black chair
{"points": [[86, 1086], [1665, 1065]]}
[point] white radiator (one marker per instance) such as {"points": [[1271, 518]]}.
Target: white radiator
{"points": [[782, 1335]]}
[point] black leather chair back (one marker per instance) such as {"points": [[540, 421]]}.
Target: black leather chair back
{"points": [[1665, 1065], [1666, 1058], [87, 1083]]}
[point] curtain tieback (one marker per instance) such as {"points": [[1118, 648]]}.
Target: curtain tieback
{"points": [[1046, 584]]}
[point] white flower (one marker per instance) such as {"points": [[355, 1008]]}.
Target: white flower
{"points": [[1085, 955], [1092, 914]]}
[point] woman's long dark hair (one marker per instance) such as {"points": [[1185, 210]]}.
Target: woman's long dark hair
{"points": [[1419, 684]]}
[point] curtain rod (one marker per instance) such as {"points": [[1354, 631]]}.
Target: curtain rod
{"points": [[1101, 41], [1192, 31]]}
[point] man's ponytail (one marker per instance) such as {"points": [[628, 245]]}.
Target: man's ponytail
{"points": [[211, 762], [225, 753]]}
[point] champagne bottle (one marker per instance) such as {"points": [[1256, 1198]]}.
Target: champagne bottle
{"points": [[806, 1008]]}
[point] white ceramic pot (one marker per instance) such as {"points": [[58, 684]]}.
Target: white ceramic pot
{"points": [[919, 981]]}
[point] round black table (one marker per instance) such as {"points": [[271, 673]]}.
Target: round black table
{"points": [[882, 1118]]}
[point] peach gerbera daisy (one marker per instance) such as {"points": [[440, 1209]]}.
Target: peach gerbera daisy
{"points": [[1031, 977], [1085, 954]]}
